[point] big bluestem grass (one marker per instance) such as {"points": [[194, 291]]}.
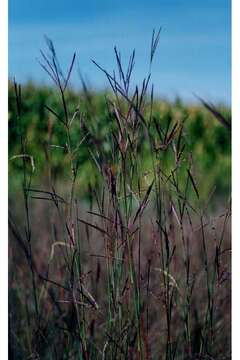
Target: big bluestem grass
{"points": [[142, 273]]}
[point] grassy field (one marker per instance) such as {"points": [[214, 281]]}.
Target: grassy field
{"points": [[119, 220]]}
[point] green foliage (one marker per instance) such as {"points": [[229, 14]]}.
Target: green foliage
{"points": [[208, 141]]}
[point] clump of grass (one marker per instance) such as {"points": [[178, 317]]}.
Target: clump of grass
{"points": [[141, 273]]}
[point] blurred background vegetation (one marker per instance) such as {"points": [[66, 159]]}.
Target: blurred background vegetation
{"points": [[208, 142]]}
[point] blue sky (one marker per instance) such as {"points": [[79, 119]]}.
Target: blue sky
{"points": [[194, 53]]}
